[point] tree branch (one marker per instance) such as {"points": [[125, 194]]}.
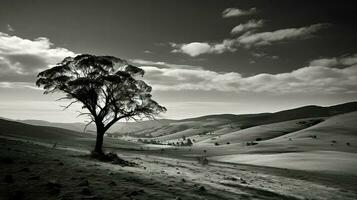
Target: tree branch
{"points": [[85, 127], [66, 107]]}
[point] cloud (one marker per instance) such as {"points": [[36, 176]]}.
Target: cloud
{"points": [[264, 55], [247, 40], [251, 24], [335, 61], [10, 28], [23, 58], [267, 38], [310, 79], [146, 62], [326, 62], [161, 64], [18, 85], [197, 48], [259, 54], [236, 12]]}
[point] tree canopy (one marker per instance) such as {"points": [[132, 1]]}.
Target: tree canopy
{"points": [[108, 87]]}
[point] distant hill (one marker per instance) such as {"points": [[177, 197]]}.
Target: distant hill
{"points": [[205, 126], [307, 138], [52, 135], [119, 127], [13, 128], [286, 115], [214, 125], [78, 127]]}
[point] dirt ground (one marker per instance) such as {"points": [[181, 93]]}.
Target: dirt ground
{"points": [[34, 171]]}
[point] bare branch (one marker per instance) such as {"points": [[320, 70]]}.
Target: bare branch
{"points": [[62, 98], [66, 107], [85, 127], [81, 114]]}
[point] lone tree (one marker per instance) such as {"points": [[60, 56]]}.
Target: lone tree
{"points": [[108, 87]]}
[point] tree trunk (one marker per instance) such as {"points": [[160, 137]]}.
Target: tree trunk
{"points": [[99, 140]]}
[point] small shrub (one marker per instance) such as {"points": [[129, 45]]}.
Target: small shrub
{"points": [[216, 143], [230, 178], [202, 160], [189, 142], [228, 143], [258, 139], [251, 143], [202, 189], [334, 141], [348, 144]]}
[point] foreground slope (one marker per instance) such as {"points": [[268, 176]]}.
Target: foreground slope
{"points": [[39, 172]]}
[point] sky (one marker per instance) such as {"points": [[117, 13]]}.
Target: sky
{"points": [[200, 57]]}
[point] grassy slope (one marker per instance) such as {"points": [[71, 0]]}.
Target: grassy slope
{"points": [[340, 128], [156, 177], [217, 124], [55, 135], [322, 147], [222, 124], [262, 132]]}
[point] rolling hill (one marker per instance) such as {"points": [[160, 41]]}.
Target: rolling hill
{"points": [[215, 126], [54, 135], [223, 127], [328, 146], [308, 138]]}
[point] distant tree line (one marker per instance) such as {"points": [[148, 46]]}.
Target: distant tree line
{"points": [[187, 142]]}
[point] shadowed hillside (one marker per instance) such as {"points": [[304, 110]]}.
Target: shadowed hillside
{"points": [[54, 135]]}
